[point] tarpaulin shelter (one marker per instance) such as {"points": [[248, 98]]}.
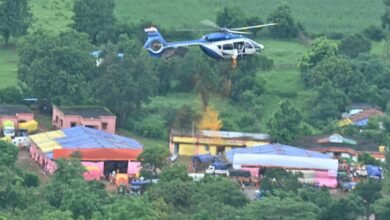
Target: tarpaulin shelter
{"points": [[288, 157], [93, 145]]}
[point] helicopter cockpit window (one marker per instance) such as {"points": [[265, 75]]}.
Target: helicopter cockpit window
{"points": [[248, 45], [228, 46], [219, 46]]}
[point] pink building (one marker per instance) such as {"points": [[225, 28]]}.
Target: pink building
{"points": [[15, 113], [89, 116]]}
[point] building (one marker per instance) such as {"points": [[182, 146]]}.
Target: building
{"points": [[317, 168], [89, 116], [359, 117], [15, 113], [338, 152], [98, 150], [213, 142]]}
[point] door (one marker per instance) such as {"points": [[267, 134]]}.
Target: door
{"points": [[249, 49], [227, 50]]}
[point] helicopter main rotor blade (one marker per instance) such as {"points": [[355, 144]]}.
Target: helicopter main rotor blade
{"points": [[253, 27], [210, 24], [239, 32], [192, 30]]}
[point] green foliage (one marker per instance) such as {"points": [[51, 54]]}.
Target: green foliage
{"points": [[286, 28], [15, 18], [9, 153], [186, 117], [337, 71], [374, 33], [131, 208], [31, 179], [381, 208], [155, 156], [93, 17], [152, 126], [130, 80], [386, 19], [369, 190], [289, 207], [327, 104], [345, 208], [231, 17], [320, 49], [354, 44], [57, 214], [275, 179], [61, 63], [11, 95], [285, 123], [177, 172]]}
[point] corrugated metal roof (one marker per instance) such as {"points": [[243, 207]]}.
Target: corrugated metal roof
{"points": [[224, 134], [81, 138], [276, 149]]}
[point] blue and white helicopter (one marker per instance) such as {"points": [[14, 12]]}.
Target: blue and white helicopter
{"points": [[227, 43]]}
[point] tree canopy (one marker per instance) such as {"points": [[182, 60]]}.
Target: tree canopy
{"points": [[15, 18]]}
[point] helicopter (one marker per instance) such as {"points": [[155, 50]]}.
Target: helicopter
{"points": [[225, 44]]}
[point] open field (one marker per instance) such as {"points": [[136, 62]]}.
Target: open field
{"points": [[347, 16]]}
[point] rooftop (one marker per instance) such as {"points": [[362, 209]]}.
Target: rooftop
{"points": [[366, 114], [86, 111], [8, 110], [223, 134]]}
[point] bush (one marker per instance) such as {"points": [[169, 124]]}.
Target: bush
{"points": [[374, 33], [31, 180], [152, 126], [286, 28], [354, 44]]}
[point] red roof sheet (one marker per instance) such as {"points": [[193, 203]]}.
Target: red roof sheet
{"points": [[366, 114]]}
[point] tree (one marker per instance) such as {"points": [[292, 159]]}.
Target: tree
{"points": [[366, 158], [319, 49], [287, 208], [370, 191], [386, 19], [174, 173], [328, 103], [130, 80], [155, 156], [93, 17], [185, 118], [230, 17], [11, 95], [286, 28], [374, 33], [131, 208], [210, 120], [15, 18], [285, 123], [381, 208], [346, 208], [57, 214], [62, 64], [8, 154], [354, 44], [337, 71]]}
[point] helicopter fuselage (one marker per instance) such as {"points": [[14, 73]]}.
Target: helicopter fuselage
{"points": [[218, 45]]}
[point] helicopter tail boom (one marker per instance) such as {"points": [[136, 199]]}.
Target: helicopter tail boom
{"points": [[155, 43]]}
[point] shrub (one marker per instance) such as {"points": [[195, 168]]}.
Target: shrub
{"points": [[31, 180], [354, 44], [152, 126], [374, 33]]}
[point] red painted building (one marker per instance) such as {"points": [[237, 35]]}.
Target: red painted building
{"points": [[89, 116], [15, 113]]}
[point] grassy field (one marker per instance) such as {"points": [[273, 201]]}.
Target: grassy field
{"points": [[347, 16], [8, 66]]}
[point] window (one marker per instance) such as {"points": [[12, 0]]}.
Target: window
{"points": [[219, 47], [206, 148], [90, 126], [248, 45], [61, 123], [104, 125], [72, 124], [228, 46], [56, 119]]}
